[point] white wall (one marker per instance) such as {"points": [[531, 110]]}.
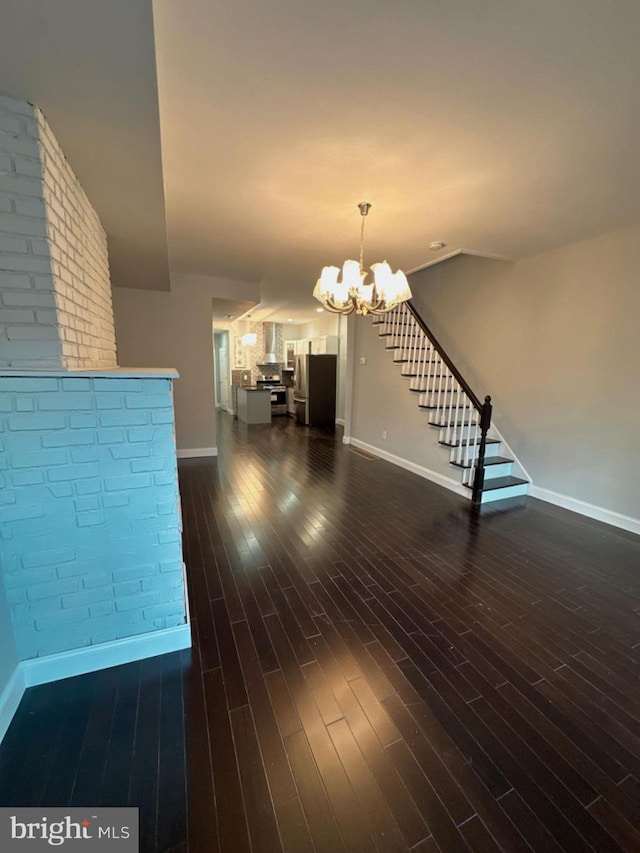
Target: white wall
{"points": [[174, 330]]}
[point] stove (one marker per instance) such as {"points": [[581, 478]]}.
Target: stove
{"points": [[278, 393]]}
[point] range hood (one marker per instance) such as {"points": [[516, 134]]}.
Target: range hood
{"points": [[270, 332]]}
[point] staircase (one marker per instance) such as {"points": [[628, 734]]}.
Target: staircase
{"points": [[462, 420]]}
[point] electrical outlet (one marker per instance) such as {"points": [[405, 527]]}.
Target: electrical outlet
{"points": [[384, 433], [363, 360]]}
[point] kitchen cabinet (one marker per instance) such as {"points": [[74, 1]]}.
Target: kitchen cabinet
{"points": [[302, 346], [254, 405], [290, 353], [324, 345]]}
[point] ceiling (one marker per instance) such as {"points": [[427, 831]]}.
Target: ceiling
{"points": [[499, 128]]}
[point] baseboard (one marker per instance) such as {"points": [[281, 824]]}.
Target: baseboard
{"points": [[599, 513], [10, 699], [340, 421], [91, 658], [420, 470], [346, 439], [193, 452]]}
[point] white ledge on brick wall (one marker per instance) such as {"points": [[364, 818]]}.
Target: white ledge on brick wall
{"points": [[105, 373]]}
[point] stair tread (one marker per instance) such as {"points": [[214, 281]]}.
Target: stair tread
{"points": [[423, 391], [501, 483], [465, 442], [431, 408], [488, 460], [453, 423]]}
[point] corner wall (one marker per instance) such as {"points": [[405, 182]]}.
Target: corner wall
{"points": [[80, 262], [155, 328], [54, 275], [554, 339], [90, 511]]}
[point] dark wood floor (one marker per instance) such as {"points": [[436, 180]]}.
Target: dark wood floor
{"points": [[374, 668]]}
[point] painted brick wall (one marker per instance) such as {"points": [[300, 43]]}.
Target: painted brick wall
{"points": [[80, 262], [28, 322], [55, 294], [89, 512]]}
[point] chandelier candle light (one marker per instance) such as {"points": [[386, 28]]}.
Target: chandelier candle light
{"points": [[352, 294]]}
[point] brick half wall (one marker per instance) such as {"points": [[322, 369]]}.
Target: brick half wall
{"points": [[89, 510]]}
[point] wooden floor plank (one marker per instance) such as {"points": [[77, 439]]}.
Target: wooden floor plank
{"points": [[443, 681]]}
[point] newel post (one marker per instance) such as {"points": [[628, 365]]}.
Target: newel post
{"points": [[485, 423]]}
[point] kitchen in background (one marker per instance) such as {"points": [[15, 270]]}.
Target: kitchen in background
{"points": [[269, 364]]}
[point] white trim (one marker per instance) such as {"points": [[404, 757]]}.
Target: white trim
{"points": [[420, 470], [599, 513], [346, 439], [193, 452], [452, 254], [92, 658], [340, 421], [10, 699], [106, 373], [521, 470], [185, 590]]}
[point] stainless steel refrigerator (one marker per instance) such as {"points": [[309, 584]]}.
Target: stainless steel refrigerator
{"points": [[315, 389]]}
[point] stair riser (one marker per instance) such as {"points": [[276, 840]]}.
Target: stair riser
{"points": [[490, 450], [408, 355], [503, 494], [504, 469], [491, 472], [444, 400], [423, 385], [389, 330], [408, 342], [457, 433]]}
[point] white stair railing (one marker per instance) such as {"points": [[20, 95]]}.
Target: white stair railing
{"points": [[463, 420]]}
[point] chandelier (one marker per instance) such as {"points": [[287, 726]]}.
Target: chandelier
{"points": [[352, 294]]}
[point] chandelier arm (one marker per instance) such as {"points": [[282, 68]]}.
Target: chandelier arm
{"points": [[330, 306]]}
